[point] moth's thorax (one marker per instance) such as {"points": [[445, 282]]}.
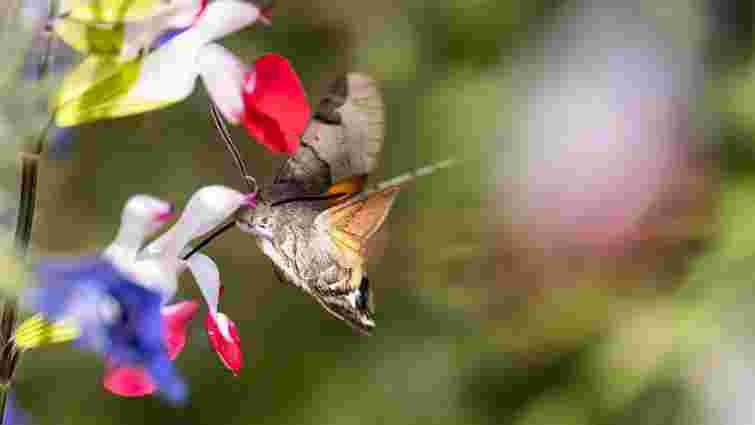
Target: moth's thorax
{"points": [[287, 235]]}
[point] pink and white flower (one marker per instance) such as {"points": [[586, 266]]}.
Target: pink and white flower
{"points": [[158, 266]]}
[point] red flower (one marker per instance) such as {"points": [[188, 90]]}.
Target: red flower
{"points": [[275, 106], [225, 340]]}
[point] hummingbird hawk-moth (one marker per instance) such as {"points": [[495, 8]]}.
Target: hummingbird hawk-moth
{"points": [[315, 219]]}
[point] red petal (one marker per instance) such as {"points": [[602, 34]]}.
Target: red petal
{"points": [[276, 108], [228, 349], [175, 318], [128, 381]]}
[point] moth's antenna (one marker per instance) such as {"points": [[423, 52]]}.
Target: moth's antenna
{"points": [[219, 231], [250, 182]]}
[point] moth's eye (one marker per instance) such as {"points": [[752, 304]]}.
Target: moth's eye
{"points": [[327, 113]]}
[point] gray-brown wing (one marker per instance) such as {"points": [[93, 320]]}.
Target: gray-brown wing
{"points": [[343, 139]]}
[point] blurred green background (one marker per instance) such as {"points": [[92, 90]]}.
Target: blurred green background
{"points": [[475, 323]]}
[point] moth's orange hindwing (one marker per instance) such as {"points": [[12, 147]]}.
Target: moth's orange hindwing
{"points": [[351, 224]]}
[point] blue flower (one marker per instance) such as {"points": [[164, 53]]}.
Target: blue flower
{"points": [[116, 317]]}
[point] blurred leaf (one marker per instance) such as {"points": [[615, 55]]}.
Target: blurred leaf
{"points": [[36, 331], [113, 11], [99, 89], [87, 38]]}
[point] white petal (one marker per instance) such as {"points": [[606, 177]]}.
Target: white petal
{"points": [[184, 13], [141, 35], [224, 17], [223, 76], [156, 273], [224, 325], [206, 274], [206, 209], [169, 73], [141, 217]]}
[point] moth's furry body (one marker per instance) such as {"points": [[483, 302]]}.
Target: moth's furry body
{"points": [[302, 255], [295, 246]]}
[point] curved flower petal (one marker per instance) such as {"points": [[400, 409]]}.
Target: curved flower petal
{"points": [[276, 107], [224, 339], [170, 72], [221, 331], [223, 76], [207, 276], [223, 17], [175, 318], [141, 35], [158, 265], [206, 209], [141, 217], [128, 381]]}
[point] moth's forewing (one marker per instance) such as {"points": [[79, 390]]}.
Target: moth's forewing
{"points": [[362, 121], [344, 138], [349, 225]]}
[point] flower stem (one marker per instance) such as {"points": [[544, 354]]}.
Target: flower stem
{"points": [[9, 353], [29, 164]]}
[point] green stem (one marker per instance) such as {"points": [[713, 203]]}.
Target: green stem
{"points": [[9, 354]]}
